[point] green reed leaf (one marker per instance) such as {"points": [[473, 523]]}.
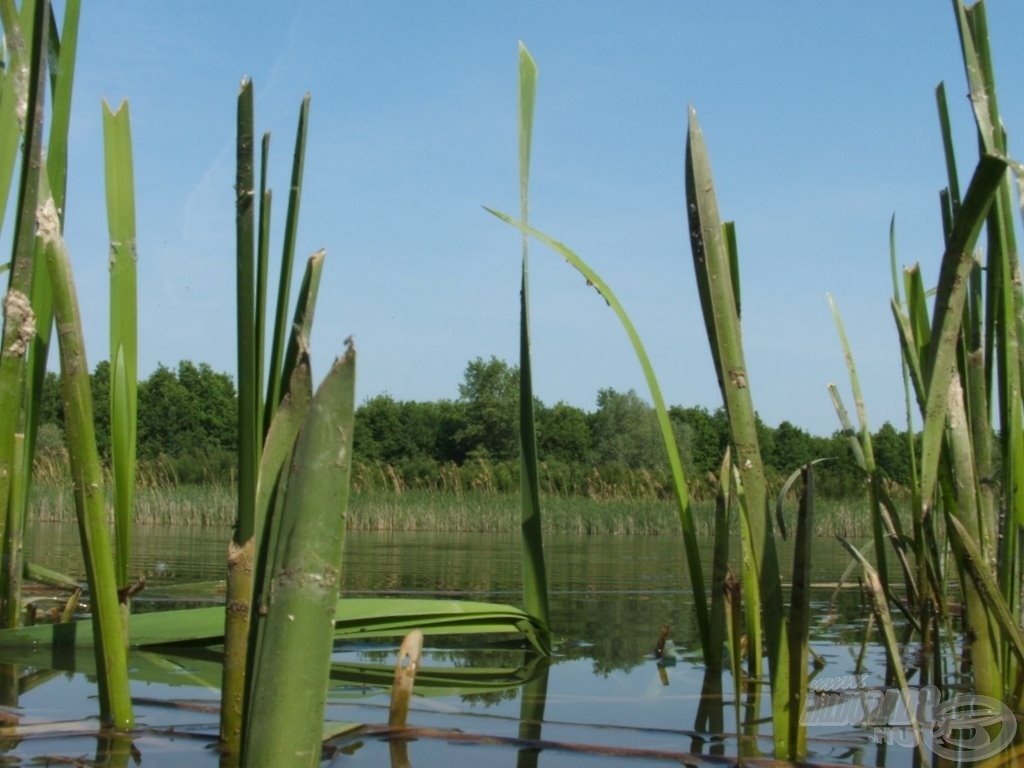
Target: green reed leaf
{"points": [[249, 434], [718, 615], [867, 450], [893, 648], [302, 320], [295, 650], [682, 495], [87, 477], [535, 586], [243, 545], [120, 187], [19, 319], [949, 153], [957, 263], [276, 379], [63, 56], [799, 624], [715, 265], [981, 575]]}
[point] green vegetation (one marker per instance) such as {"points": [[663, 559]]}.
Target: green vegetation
{"points": [[187, 433], [946, 505], [963, 366], [293, 447]]}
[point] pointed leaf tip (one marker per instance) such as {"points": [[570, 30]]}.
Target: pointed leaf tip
{"points": [[525, 56]]}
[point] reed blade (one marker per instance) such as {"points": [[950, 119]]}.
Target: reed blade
{"points": [[262, 280], [799, 624], [535, 586], [243, 545], [988, 587], [682, 495], [867, 452], [302, 320], [120, 186], [297, 640], [87, 476], [893, 648], [249, 434], [277, 380], [715, 264], [19, 320], [720, 565], [61, 55], [957, 263], [950, 154], [272, 488]]}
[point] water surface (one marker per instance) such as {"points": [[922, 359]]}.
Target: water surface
{"points": [[610, 596]]}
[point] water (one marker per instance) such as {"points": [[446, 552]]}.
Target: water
{"points": [[605, 700]]}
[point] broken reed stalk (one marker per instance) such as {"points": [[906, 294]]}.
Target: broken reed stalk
{"points": [[297, 630], [409, 657]]}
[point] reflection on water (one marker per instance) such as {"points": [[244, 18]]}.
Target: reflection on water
{"points": [[610, 596]]}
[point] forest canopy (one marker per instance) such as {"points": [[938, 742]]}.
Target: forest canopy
{"points": [[187, 432]]}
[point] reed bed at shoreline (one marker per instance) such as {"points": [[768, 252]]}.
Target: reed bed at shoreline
{"points": [[427, 510]]}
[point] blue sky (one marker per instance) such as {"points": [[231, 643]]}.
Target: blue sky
{"points": [[819, 117]]}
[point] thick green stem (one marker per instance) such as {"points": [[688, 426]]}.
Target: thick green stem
{"points": [[87, 479], [295, 648], [243, 544], [123, 325], [714, 262]]}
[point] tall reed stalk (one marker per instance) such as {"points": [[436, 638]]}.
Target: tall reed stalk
{"points": [[22, 411], [535, 587], [294, 465], [123, 326], [21, 115], [87, 479], [962, 362]]}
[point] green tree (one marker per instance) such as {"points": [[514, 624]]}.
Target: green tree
{"points": [[167, 422], [625, 431], [190, 418], [213, 400], [563, 434], [51, 408], [99, 382], [792, 448], [891, 448], [490, 393], [702, 436]]}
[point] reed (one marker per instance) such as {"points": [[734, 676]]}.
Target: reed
{"points": [[41, 292], [124, 344], [962, 357], [295, 447], [271, 431], [535, 583]]}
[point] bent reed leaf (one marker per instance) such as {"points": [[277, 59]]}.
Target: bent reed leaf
{"points": [[682, 495]]}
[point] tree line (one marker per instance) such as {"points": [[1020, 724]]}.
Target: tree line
{"points": [[187, 431]]}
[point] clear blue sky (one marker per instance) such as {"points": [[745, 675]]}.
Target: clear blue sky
{"points": [[820, 119]]}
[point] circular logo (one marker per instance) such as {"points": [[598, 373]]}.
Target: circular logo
{"points": [[970, 727]]}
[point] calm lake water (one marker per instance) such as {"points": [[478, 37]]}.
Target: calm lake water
{"points": [[602, 692]]}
